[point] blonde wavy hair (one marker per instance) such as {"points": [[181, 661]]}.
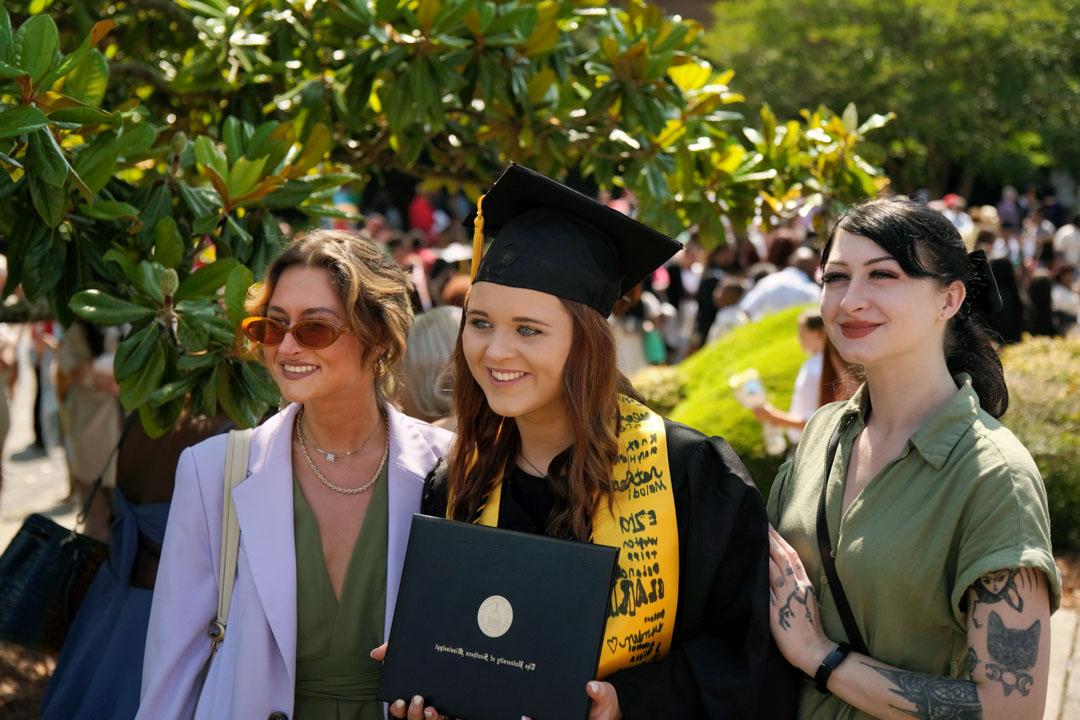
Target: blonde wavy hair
{"points": [[373, 289]]}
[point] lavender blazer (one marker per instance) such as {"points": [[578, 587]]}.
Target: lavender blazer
{"points": [[253, 674]]}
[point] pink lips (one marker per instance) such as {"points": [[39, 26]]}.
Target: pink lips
{"points": [[855, 330]]}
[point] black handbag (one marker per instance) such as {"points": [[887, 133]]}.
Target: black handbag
{"points": [[45, 573]]}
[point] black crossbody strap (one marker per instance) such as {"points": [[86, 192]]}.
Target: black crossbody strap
{"points": [[828, 560]]}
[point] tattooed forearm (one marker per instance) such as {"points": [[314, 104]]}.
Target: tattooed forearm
{"points": [[1012, 654], [798, 597], [933, 697]]}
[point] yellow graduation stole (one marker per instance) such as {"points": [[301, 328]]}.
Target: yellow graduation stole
{"points": [[641, 612]]}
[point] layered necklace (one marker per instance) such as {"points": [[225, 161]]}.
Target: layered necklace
{"points": [[332, 457], [322, 478]]}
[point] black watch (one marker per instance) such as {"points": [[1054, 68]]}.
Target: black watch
{"points": [[830, 663]]}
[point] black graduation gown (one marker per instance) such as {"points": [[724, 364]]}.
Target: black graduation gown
{"points": [[721, 643]]}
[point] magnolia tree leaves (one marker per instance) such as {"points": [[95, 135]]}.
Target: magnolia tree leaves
{"points": [[150, 173]]}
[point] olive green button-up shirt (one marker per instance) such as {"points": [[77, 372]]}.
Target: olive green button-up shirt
{"points": [[963, 498]]}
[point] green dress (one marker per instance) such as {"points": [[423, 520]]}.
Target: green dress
{"points": [[335, 677]]}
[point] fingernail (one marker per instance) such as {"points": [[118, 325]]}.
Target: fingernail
{"points": [[417, 701], [429, 713], [399, 704], [594, 686], [371, 654]]}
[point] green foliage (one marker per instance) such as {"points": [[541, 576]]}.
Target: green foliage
{"points": [[1043, 375], [661, 386], [106, 213], [137, 147], [982, 90], [771, 346]]}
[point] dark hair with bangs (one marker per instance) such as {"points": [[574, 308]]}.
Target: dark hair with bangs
{"points": [[907, 230]]}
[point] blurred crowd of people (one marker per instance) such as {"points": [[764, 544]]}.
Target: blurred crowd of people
{"points": [[702, 294], [1034, 248], [699, 296]]}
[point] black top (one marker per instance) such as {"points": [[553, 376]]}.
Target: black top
{"points": [[531, 496], [722, 662], [556, 240]]}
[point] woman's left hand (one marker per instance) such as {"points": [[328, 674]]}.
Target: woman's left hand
{"points": [[794, 618]]}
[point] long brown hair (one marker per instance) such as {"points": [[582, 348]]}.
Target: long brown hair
{"points": [[488, 443]]}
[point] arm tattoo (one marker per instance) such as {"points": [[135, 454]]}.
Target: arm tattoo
{"points": [[934, 698], [971, 661], [1012, 654], [801, 597], [1003, 586]]}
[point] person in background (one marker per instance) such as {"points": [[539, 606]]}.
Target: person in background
{"points": [[324, 511], [806, 396], [99, 671], [911, 525], [1067, 241], [1064, 298], [427, 387], [9, 367], [728, 314], [686, 272], [955, 211], [43, 346], [1041, 319], [91, 415], [718, 265], [1009, 211], [794, 285]]}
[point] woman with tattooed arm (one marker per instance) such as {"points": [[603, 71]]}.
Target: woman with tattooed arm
{"points": [[911, 573]]}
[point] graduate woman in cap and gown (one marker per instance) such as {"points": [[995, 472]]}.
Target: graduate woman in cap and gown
{"points": [[553, 440]]}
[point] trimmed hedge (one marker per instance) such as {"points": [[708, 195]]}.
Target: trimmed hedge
{"points": [[771, 345], [1043, 375]]}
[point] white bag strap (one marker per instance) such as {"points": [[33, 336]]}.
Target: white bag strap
{"points": [[236, 461]]}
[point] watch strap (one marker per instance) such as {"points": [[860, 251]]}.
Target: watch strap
{"points": [[830, 663]]}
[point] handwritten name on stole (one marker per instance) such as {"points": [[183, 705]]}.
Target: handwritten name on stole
{"points": [[642, 524]]}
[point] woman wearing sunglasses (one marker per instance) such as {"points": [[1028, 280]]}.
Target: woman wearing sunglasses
{"points": [[552, 440], [324, 513]]}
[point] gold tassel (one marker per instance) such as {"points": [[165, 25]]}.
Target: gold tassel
{"points": [[477, 238]]}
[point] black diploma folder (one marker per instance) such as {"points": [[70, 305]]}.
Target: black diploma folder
{"points": [[494, 624]]}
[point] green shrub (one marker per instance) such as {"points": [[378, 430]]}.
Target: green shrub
{"points": [[661, 386], [1043, 375], [771, 345]]}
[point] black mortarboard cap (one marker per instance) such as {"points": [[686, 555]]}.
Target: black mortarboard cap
{"points": [[550, 238]]}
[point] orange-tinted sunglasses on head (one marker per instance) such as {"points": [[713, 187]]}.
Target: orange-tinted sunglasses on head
{"points": [[312, 334]]}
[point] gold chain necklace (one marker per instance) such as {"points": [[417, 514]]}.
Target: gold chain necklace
{"points": [[332, 457], [323, 479]]}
